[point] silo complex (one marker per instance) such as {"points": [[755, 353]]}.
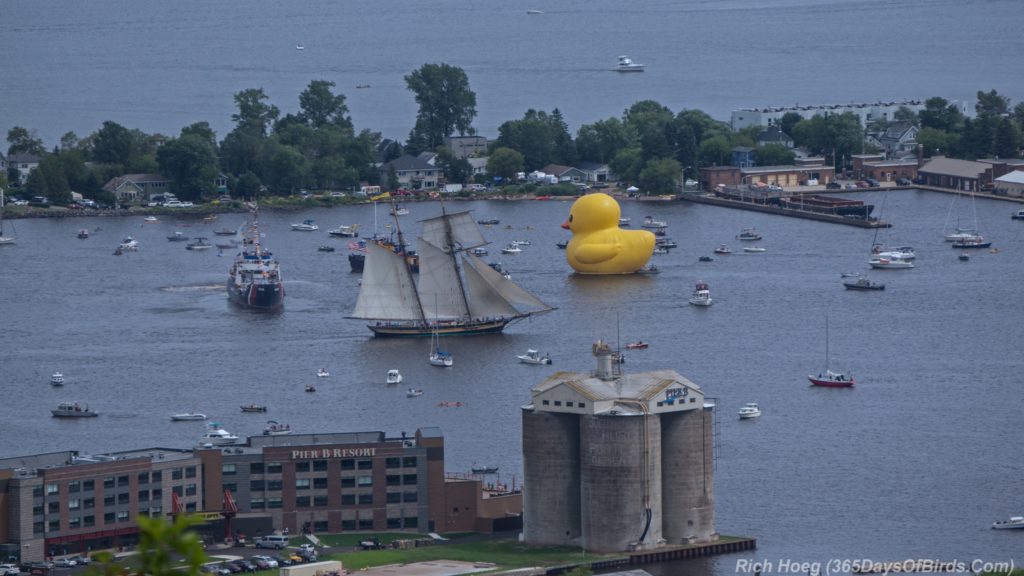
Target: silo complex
{"points": [[617, 462]]}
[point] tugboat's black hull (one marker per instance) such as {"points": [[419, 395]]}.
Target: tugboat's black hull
{"points": [[268, 296]]}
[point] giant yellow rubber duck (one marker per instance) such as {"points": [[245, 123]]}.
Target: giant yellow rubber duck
{"points": [[598, 245]]}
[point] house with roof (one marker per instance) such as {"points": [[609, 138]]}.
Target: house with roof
{"points": [[774, 135], [596, 172], [466, 146], [1010, 184], [479, 165], [899, 137], [24, 164], [415, 172], [134, 187], [966, 175], [743, 157], [565, 173]]}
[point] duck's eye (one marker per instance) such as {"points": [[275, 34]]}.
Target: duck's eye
{"points": [[570, 217]]}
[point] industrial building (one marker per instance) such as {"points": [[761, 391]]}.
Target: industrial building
{"points": [[867, 113], [618, 462], [71, 503]]}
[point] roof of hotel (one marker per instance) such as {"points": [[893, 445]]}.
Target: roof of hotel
{"points": [[1015, 177], [954, 167]]}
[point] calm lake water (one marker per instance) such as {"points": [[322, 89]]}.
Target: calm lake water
{"points": [[916, 461], [159, 66]]}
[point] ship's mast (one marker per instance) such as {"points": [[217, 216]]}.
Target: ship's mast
{"points": [[401, 254], [450, 247]]}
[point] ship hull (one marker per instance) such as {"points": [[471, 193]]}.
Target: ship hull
{"points": [[417, 330], [268, 296]]}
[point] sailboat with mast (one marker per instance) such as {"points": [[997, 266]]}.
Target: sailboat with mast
{"points": [[3, 239], [471, 297], [439, 357], [830, 378]]}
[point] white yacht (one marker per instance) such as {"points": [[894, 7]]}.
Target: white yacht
{"points": [[701, 295], [57, 379], [307, 225], [188, 417], [1014, 523], [534, 357], [749, 410], [218, 436], [394, 377], [626, 64], [885, 263]]}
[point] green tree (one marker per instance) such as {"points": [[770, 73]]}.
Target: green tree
{"points": [[69, 141], [247, 186], [938, 113], [24, 141], [456, 170], [284, 169], [652, 125], [504, 163], [1008, 139], [978, 137], [203, 131], [190, 162], [906, 115], [660, 176], [446, 104], [934, 141], [114, 144], [991, 104], [602, 140], [1018, 115], [714, 151], [240, 150], [49, 180], [320, 107], [535, 137], [253, 110], [773, 155], [627, 164], [788, 120], [161, 542]]}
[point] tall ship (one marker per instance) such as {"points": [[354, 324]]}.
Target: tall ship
{"points": [[254, 280], [457, 293]]}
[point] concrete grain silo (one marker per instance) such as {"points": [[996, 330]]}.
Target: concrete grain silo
{"points": [[617, 462]]}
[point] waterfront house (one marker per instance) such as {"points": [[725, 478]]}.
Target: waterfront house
{"points": [[899, 137], [774, 135], [415, 172], [743, 157], [1010, 184], [596, 172], [565, 173], [134, 187], [965, 175], [24, 164]]}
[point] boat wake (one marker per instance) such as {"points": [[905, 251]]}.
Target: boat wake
{"points": [[193, 288]]}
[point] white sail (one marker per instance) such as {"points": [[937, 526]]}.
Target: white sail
{"points": [[484, 300], [440, 293], [388, 291], [509, 291], [465, 234]]}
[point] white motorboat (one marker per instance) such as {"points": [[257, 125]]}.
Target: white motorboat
{"points": [[345, 231], [511, 249], [276, 429], [128, 243], [200, 243], [150, 219], [1014, 523], [626, 64], [72, 410], [307, 225], [884, 263], [1018, 215], [413, 392], [748, 234], [479, 251], [902, 252], [625, 221], [188, 417], [322, 373], [701, 295], [394, 377], [534, 357], [520, 243], [723, 249], [57, 379], [399, 210], [749, 410], [754, 249], [218, 436], [650, 222]]}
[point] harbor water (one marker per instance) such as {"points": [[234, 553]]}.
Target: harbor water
{"points": [[916, 461]]}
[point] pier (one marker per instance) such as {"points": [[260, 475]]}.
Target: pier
{"points": [[724, 545], [752, 205]]}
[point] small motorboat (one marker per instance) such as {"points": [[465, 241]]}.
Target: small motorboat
{"points": [[521, 243], [701, 295], [345, 231], [534, 357], [705, 259], [755, 249], [150, 219], [72, 410], [511, 249], [748, 234], [274, 428], [862, 283], [254, 408], [488, 221], [394, 377], [638, 345], [325, 248], [399, 210], [307, 225], [413, 392], [749, 410], [187, 417], [199, 244], [964, 257], [1014, 523], [562, 245], [225, 232], [479, 251], [218, 436], [649, 269], [484, 469], [1018, 215], [650, 222], [128, 244], [660, 250], [830, 379], [322, 373], [178, 237], [666, 243], [723, 249], [57, 379], [310, 388], [884, 263], [625, 221], [83, 233], [626, 64]]}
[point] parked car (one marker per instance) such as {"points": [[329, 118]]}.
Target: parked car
{"points": [[833, 186], [903, 181], [82, 560], [9, 570], [872, 182], [283, 560], [65, 563], [862, 184], [228, 568]]}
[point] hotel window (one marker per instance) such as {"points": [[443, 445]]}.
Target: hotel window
{"points": [[122, 498], [157, 476], [74, 523], [257, 504], [178, 490], [232, 487], [302, 483], [320, 501], [365, 480], [108, 482], [394, 497], [274, 502], [190, 507], [409, 479], [366, 498], [74, 504], [348, 499], [228, 469], [74, 486], [37, 527], [53, 526], [156, 511], [190, 472], [53, 489], [144, 478], [394, 523], [320, 483], [122, 516], [53, 507], [273, 468], [88, 521], [319, 465], [409, 462], [320, 526], [410, 496], [37, 491], [366, 523], [302, 502], [274, 484], [393, 480], [345, 525], [108, 500], [392, 462], [143, 495], [176, 474], [366, 464], [122, 480], [158, 494], [89, 503], [302, 466], [256, 468], [348, 482], [108, 518], [348, 464], [37, 510], [256, 485], [411, 522], [190, 490]]}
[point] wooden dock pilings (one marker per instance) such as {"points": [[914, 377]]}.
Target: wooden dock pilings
{"points": [[688, 551]]}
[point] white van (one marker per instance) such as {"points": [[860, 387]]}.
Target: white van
{"points": [[273, 541]]}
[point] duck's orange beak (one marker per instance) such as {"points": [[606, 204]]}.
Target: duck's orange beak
{"points": [[565, 224]]}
